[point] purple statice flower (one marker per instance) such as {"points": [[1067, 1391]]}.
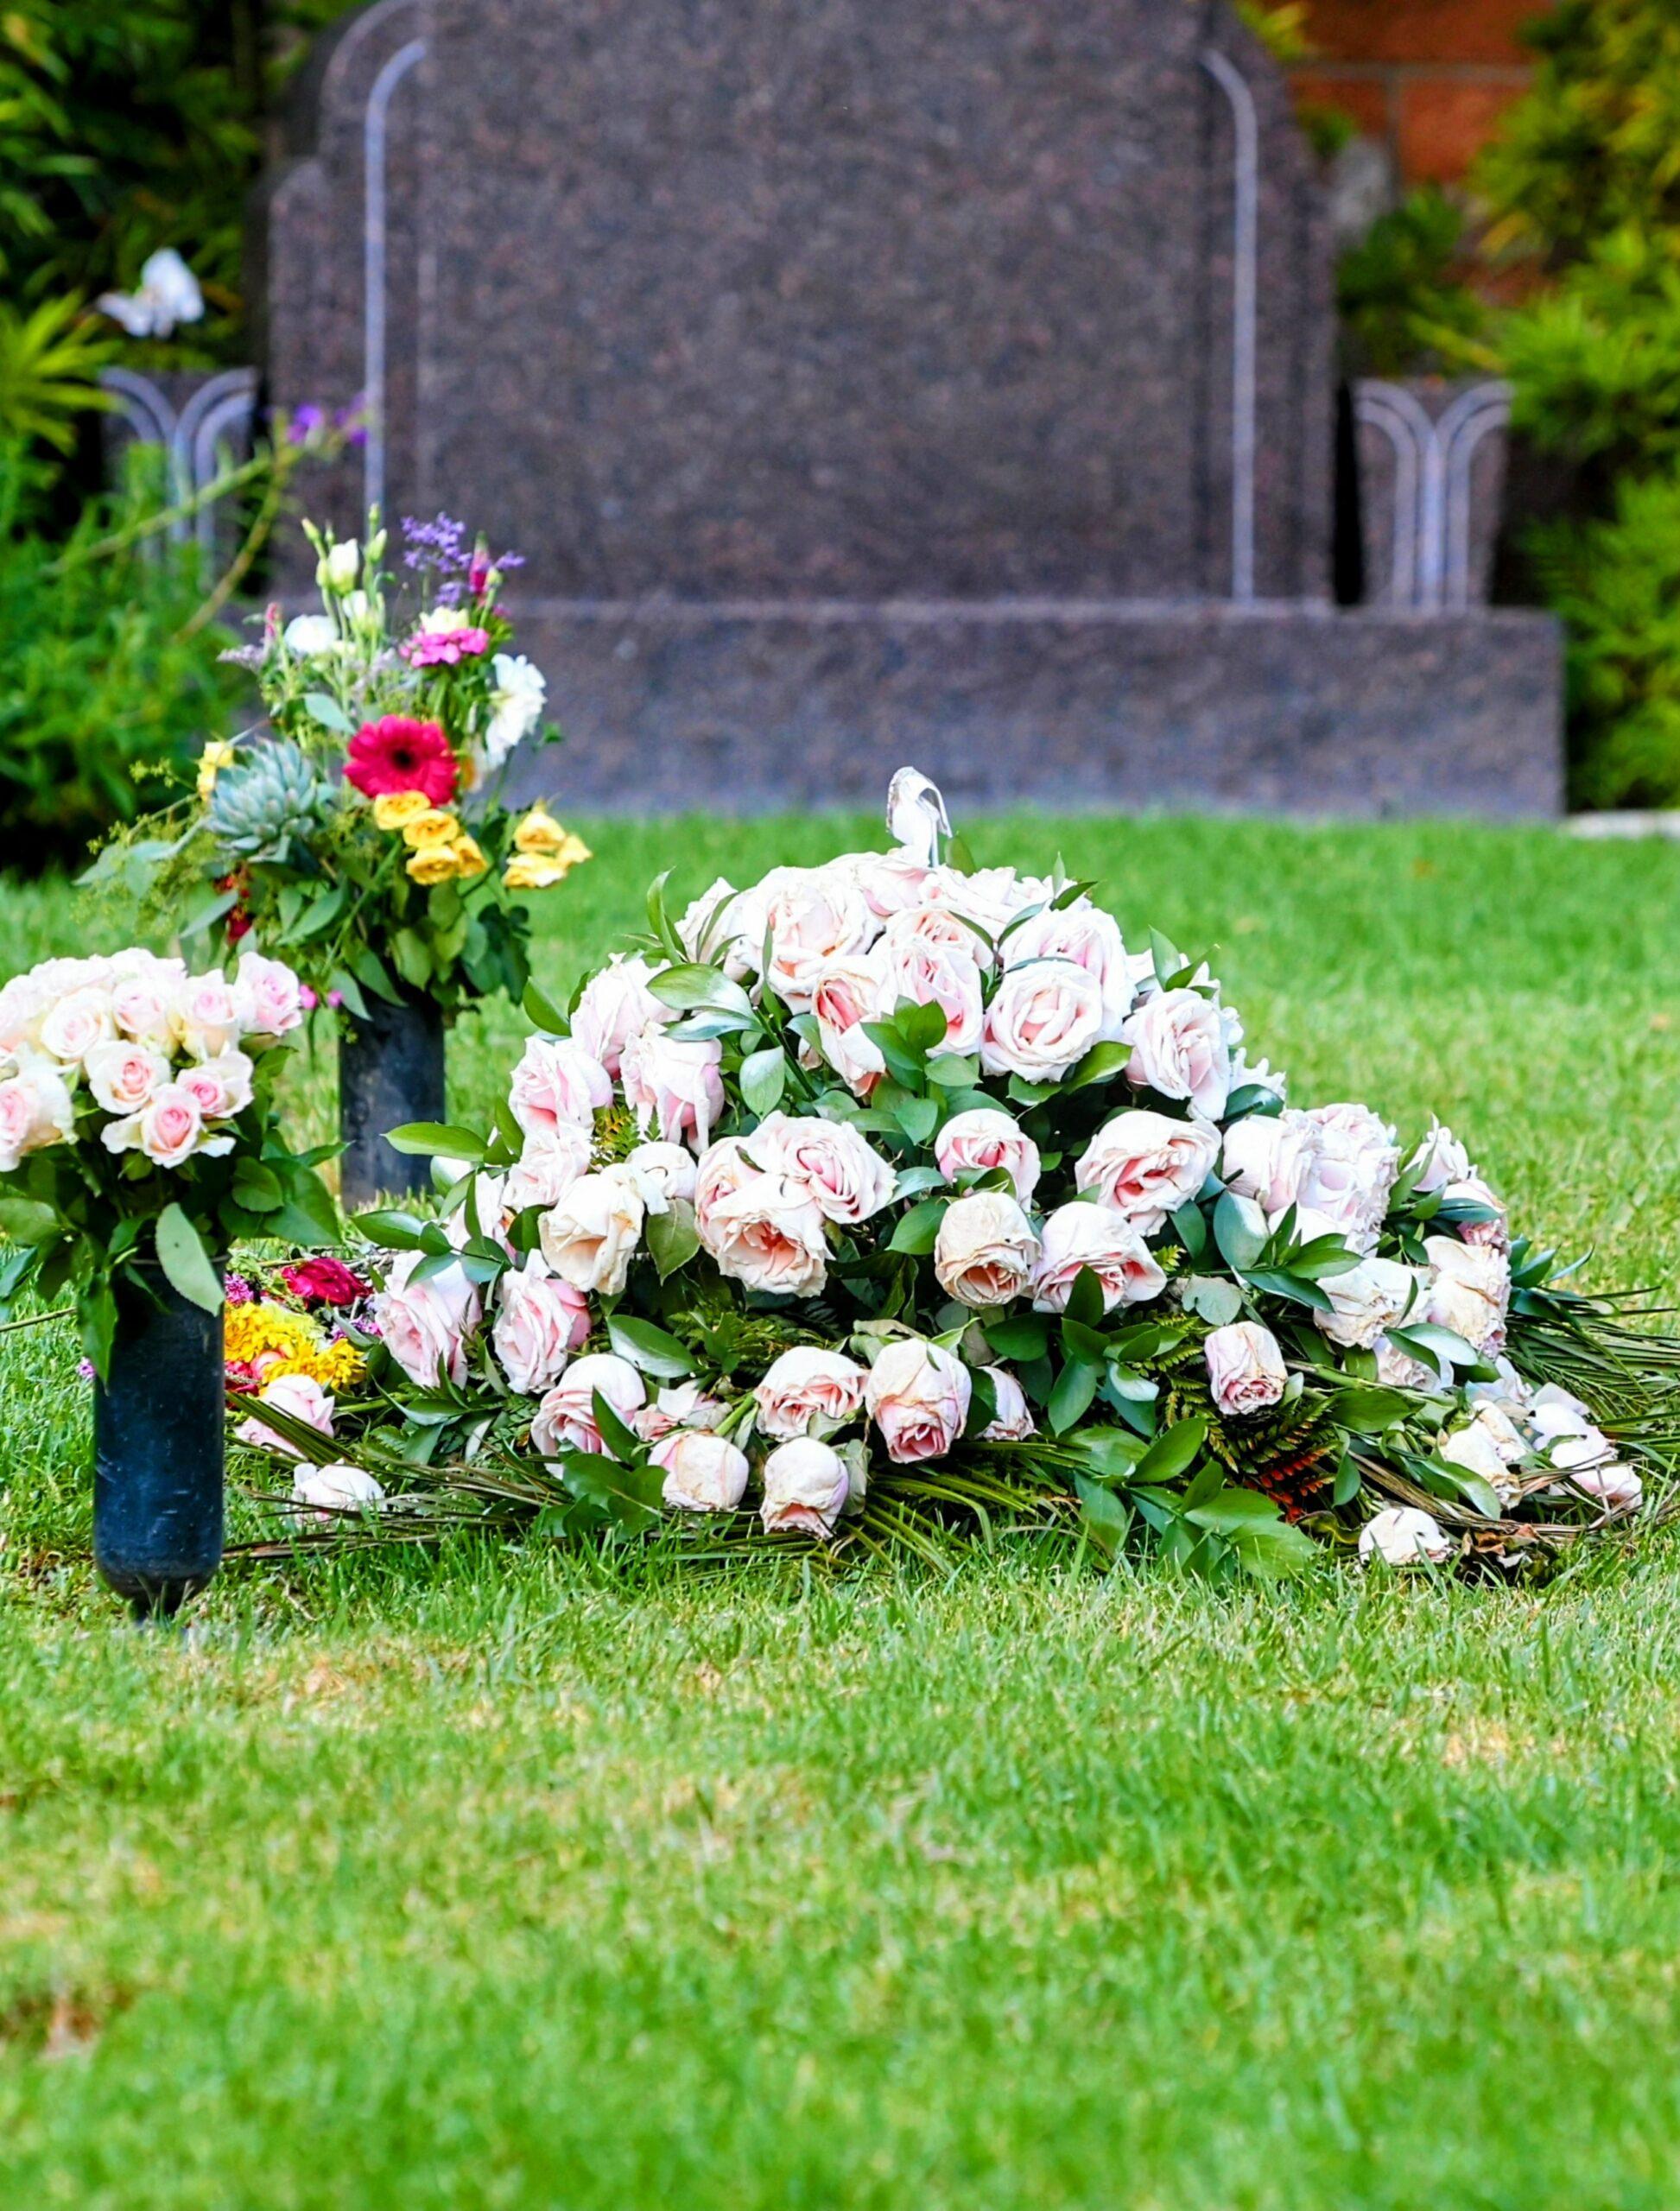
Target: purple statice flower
{"points": [[352, 420], [307, 421], [85, 1369], [239, 1291], [436, 547]]}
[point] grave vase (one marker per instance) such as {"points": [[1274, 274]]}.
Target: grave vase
{"points": [[158, 1449], [391, 1071]]}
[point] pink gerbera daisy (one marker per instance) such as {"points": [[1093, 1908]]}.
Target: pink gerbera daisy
{"points": [[398, 754]]}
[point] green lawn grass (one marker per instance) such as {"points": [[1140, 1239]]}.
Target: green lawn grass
{"points": [[494, 1879]]}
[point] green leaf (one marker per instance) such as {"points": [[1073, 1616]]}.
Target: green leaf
{"points": [[1099, 1064], [918, 1232], [392, 1231], [1213, 1299], [541, 1012], [1086, 1302], [1173, 1452], [1369, 1411], [1424, 1340], [1113, 1454], [652, 1349], [763, 1080], [1239, 1229], [1192, 1225], [309, 1214], [414, 961], [913, 1181], [328, 712], [1106, 1519], [918, 1117], [1022, 1335], [1295, 1287], [1070, 1400], [1083, 1344], [922, 1028], [673, 1238], [256, 1187], [429, 1139], [96, 1320], [181, 1255], [628, 1495], [949, 1073], [1474, 1489], [350, 991], [27, 1221]]}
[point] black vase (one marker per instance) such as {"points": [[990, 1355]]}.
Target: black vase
{"points": [[158, 1450], [391, 1071]]}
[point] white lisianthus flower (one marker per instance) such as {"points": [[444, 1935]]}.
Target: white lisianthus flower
{"points": [[985, 1252], [518, 692], [1181, 1047], [593, 1234], [1246, 1368], [703, 1472], [807, 1485], [339, 567], [1144, 1166], [1080, 1236], [566, 1417], [309, 635], [1404, 1535], [984, 1139], [806, 1385]]}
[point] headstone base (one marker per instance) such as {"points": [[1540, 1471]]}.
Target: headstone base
{"points": [[1283, 707]]}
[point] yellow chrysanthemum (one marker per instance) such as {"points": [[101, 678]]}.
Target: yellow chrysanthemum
{"points": [[215, 757], [432, 864], [259, 1329], [396, 809], [469, 857], [435, 826], [335, 1366]]}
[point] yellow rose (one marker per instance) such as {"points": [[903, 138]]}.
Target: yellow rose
{"points": [[534, 871], [396, 809], [435, 826], [432, 864], [469, 860], [539, 832], [214, 757], [573, 852]]}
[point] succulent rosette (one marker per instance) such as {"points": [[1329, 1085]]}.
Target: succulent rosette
{"points": [[895, 1193], [138, 1134], [361, 830]]}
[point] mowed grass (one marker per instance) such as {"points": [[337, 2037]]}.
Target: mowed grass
{"points": [[500, 1879]]}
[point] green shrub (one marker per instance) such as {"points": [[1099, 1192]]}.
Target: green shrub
{"points": [[101, 683], [1405, 308]]}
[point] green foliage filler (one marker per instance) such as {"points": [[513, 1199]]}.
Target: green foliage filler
{"points": [[101, 685], [1585, 181], [1406, 309]]}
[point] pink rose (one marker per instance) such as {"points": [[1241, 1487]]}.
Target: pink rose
{"points": [[141, 994], [123, 1075], [807, 1385], [685, 1405], [703, 1472], [715, 932], [934, 924], [168, 1129], [299, 1396], [1181, 1047], [846, 993], [221, 1086], [1013, 1421], [983, 1140], [207, 1017], [425, 1324], [72, 1028], [764, 1230], [36, 1109], [590, 1237], [677, 1086], [1440, 1159], [616, 1005], [1470, 1293], [1490, 1235], [1246, 1368], [539, 1323], [986, 1251], [1043, 1020], [666, 1174], [945, 975], [812, 915], [1091, 938], [848, 1180], [1079, 1236], [272, 997], [918, 1397], [1354, 1163], [550, 1163], [1269, 1157], [806, 1488], [891, 882], [557, 1085], [566, 1417], [1144, 1166]]}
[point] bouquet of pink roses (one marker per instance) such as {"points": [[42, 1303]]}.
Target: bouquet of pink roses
{"points": [[897, 1192]]}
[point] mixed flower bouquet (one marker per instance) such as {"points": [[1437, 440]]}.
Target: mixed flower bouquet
{"points": [[895, 1192], [138, 1132], [362, 832]]}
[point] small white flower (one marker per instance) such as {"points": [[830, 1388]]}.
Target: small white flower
{"points": [[169, 293], [310, 635], [517, 700], [1404, 1535]]}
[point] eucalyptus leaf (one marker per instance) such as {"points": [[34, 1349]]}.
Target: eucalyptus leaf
{"points": [[181, 1255]]}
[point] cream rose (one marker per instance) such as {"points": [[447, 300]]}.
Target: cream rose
{"points": [[123, 1075], [807, 1386], [79, 1021], [617, 1004], [1402, 1536], [845, 994], [983, 1140], [142, 997], [548, 1168], [1181, 1047], [303, 1399], [222, 1086], [566, 1417], [1354, 1163], [1269, 1157], [703, 1472], [557, 1085], [207, 1017], [1470, 1291], [1144, 1166], [1246, 1368], [847, 1178], [425, 1324], [271, 996], [686, 1405], [891, 883], [714, 932], [986, 1250], [806, 1488], [1079, 1236], [539, 1323], [1091, 938], [673, 1086], [928, 972], [1592, 1468], [918, 1396], [766, 1231], [330, 1491], [1045, 1018], [1013, 1421], [36, 1109], [666, 1174], [811, 917], [590, 1237], [1368, 1300]]}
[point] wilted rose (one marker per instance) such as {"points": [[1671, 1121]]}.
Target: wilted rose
{"points": [[1470, 1291], [807, 1385], [1402, 1536], [1013, 1421], [303, 1399], [1368, 1300], [918, 1397]]}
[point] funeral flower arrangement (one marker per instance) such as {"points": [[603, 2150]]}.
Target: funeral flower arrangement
{"points": [[361, 833], [138, 1132], [898, 1192]]}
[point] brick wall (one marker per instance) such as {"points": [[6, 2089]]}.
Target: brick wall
{"points": [[1431, 77]]}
